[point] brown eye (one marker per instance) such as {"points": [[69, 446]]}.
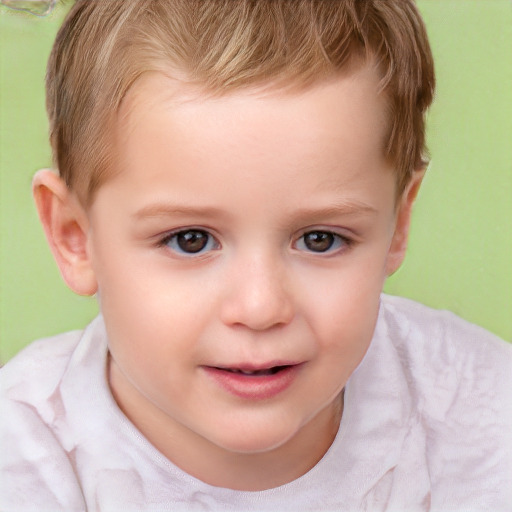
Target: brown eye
{"points": [[319, 241], [191, 241]]}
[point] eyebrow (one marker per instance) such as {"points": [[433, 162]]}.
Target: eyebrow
{"points": [[157, 210], [337, 209], [169, 210]]}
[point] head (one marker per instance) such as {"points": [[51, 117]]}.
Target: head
{"points": [[236, 182]]}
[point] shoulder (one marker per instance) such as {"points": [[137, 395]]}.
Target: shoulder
{"points": [[40, 373], [33, 374], [441, 337], [459, 378], [444, 355], [34, 466]]}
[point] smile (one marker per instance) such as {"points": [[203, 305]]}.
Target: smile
{"points": [[254, 383]]}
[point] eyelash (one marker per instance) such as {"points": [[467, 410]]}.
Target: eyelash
{"points": [[342, 243]]}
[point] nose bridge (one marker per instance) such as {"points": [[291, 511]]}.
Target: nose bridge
{"points": [[259, 297]]}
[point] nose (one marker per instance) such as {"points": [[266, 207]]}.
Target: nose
{"points": [[258, 296]]}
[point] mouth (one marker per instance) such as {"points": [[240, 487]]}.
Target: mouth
{"points": [[254, 383], [256, 372]]}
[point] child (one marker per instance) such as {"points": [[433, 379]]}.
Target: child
{"points": [[235, 183]]}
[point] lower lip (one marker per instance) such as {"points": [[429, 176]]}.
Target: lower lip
{"points": [[252, 387]]}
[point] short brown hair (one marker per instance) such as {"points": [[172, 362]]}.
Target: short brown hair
{"points": [[104, 46]]}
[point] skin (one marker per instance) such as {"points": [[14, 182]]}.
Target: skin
{"points": [[256, 170]]}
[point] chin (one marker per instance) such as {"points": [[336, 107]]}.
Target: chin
{"points": [[254, 440]]}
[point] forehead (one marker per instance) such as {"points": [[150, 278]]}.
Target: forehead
{"points": [[260, 154], [346, 105]]}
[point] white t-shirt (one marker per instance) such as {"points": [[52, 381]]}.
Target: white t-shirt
{"points": [[427, 425]]}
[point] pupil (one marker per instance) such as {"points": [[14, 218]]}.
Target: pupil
{"points": [[319, 241], [192, 241]]}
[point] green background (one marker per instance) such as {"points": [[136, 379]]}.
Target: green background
{"points": [[460, 254]]}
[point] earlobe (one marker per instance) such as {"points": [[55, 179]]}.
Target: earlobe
{"points": [[66, 227], [400, 238]]}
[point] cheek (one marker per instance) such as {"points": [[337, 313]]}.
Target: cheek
{"points": [[134, 287], [151, 312], [347, 331], [343, 311], [350, 291]]}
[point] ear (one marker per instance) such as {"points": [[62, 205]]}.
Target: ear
{"points": [[66, 227], [400, 238]]}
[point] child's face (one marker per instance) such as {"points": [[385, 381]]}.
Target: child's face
{"points": [[250, 232]]}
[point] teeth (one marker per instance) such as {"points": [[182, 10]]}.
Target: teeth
{"points": [[268, 371]]}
